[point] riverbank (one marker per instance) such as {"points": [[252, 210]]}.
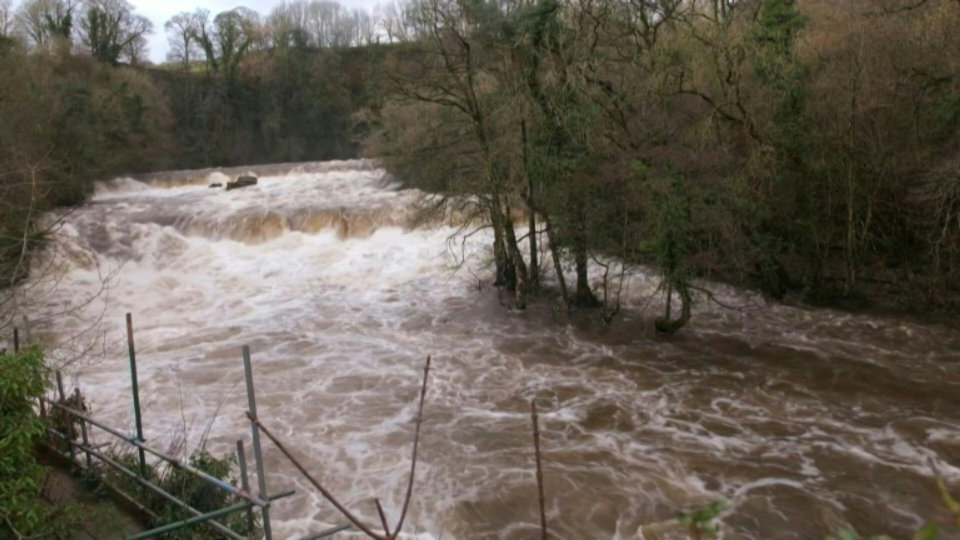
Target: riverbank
{"points": [[101, 517]]}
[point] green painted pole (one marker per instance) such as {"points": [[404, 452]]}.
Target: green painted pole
{"points": [[136, 394], [195, 520]]}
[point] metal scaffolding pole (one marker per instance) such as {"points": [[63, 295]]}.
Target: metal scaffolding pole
{"points": [[255, 431]]}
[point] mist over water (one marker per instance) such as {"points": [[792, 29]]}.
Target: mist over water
{"points": [[804, 420]]}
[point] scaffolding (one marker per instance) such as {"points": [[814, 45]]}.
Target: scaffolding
{"points": [[85, 455]]}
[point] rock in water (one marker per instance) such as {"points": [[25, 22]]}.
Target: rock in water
{"points": [[242, 181], [215, 184]]}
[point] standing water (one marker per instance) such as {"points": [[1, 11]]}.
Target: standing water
{"points": [[802, 420]]}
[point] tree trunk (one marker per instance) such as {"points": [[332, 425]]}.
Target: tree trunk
{"points": [[505, 276], [520, 268], [584, 296], [534, 273], [668, 325], [557, 266]]}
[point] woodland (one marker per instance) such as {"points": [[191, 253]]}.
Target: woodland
{"points": [[808, 149]]}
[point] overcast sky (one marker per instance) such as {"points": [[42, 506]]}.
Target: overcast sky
{"points": [[160, 12]]}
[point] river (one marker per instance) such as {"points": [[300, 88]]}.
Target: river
{"points": [[802, 420]]}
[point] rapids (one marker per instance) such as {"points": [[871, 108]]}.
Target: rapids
{"points": [[802, 420]]}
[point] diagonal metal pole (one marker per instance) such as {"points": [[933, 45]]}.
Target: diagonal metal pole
{"points": [[255, 431], [160, 491], [328, 532], [179, 464], [136, 394], [195, 520]]}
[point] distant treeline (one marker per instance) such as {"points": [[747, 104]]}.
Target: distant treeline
{"points": [[810, 149], [289, 105], [78, 103]]}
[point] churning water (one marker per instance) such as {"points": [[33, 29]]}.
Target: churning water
{"points": [[803, 420]]}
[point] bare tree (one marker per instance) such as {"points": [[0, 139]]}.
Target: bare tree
{"points": [[364, 28], [136, 51], [182, 30], [303, 23], [286, 26], [6, 18], [396, 21]]}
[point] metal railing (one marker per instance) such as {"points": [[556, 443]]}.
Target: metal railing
{"points": [[247, 502]]}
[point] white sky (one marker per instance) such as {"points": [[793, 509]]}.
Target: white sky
{"points": [[160, 13]]}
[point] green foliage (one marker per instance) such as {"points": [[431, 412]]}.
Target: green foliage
{"points": [[930, 531], [22, 511], [66, 122], [702, 521], [670, 208], [20, 427], [102, 41], [201, 495], [775, 34], [795, 180], [187, 487], [949, 116], [778, 26]]}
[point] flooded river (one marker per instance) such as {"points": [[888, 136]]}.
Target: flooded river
{"points": [[802, 420]]}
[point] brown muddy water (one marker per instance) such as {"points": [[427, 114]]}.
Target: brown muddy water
{"points": [[802, 420]]}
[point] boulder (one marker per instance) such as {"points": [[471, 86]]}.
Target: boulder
{"points": [[215, 184], [242, 181]]}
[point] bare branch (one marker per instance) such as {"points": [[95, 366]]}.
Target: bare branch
{"points": [[416, 445]]}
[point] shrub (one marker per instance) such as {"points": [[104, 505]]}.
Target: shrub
{"points": [[22, 511]]}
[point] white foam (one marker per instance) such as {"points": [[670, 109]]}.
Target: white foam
{"points": [[339, 325]]}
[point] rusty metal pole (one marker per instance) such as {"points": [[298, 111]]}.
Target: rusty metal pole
{"points": [[536, 451], [136, 394], [255, 431], [16, 339], [245, 484]]}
